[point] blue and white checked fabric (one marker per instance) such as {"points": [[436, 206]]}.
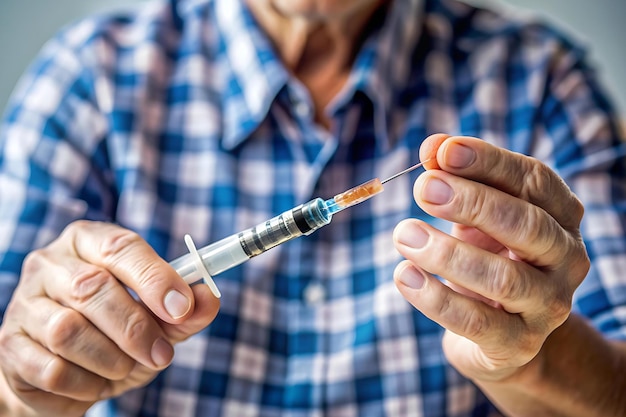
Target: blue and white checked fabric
{"points": [[179, 118]]}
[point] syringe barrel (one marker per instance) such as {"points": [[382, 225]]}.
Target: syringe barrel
{"points": [[216, 257], [238, 248], [301, 220]]}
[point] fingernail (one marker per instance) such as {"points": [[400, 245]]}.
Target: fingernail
{"points": [[437, 192], [412, 235], [459, 156], [412, 278], [176, 304], [162, 352]]}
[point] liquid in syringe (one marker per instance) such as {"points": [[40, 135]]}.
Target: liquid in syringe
{"points": [[302, 220]]}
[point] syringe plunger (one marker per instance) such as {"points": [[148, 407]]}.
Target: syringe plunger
{"points": [[302, 220], [238, 248]]}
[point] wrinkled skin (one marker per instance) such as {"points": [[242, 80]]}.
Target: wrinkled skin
{"points": [[511, 264], [73, 335]]}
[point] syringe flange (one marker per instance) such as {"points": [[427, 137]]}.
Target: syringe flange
{"points": [[200, 268]]}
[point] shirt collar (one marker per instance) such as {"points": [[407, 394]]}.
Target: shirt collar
{"points": [[383, 65], [253, 74]]}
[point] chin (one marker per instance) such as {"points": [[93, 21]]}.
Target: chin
{"points": [[319, 9]]}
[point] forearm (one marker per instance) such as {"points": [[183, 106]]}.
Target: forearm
{"points": [[577, 373]]}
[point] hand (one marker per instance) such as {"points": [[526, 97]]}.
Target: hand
{"points": [[73, 334], [513, 260]]}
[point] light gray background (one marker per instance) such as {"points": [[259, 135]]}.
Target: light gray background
{"points": [[26, 24]]}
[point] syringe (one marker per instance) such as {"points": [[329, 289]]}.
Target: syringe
{"points": [[302, 220]]}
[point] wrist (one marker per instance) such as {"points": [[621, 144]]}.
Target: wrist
{"points": [[576, 373]]}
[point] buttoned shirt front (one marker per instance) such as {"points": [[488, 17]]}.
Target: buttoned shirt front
{"points": [[180, 118]]}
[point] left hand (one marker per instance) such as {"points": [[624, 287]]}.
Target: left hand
{"points": [[512, 262]]}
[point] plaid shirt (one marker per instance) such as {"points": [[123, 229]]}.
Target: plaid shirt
{"points": [[179, 118]]}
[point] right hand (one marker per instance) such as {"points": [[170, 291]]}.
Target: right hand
{"points": [[73, 334]]}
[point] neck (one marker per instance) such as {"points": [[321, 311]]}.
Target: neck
{"points": [[318, 48], [300, 38]]}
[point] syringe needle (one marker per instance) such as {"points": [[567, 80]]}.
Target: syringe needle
{"points": [[406, 171]]}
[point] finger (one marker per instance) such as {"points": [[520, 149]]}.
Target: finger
{"points": [[68, 334], [44, 403], [517, 286], [462, 315], [522, 227], [131, 260], [28, 366], [477, 238], [513, 173], [206, 308], [429, 148], [101, 299]]}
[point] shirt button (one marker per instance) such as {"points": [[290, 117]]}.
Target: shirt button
{"points": [[314, 294], [302, 109]]}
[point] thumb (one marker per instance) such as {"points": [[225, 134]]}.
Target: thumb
{"points": [[206, 309], [135, 264]]}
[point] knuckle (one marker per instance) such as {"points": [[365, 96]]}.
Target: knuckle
{"points": [[475, 324], [523, 226], [558, 309], [75, 228], [33, 264], [148, 274], [539, 185], [120, 249], [135, 327], [474, 266], [87, 281], [577, 208], [446, 253], [64, 327], [474, 209], [580, 263], [551, 239], [584, 267], [528, 345], [507, 286], [54, 375], [533, 227], [529, 227], [445, 309], [532, 338], [117, 242]]}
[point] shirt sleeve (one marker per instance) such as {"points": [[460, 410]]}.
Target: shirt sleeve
{"points": [[589, 154], [53, 167]]}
